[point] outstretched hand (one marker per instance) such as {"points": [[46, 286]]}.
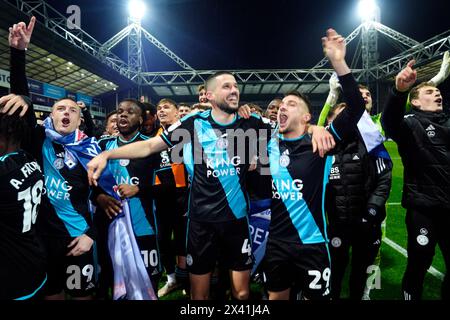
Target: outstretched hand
{"points": [[334, 46], [95, 168], [334, 83], [20, 34], [444, 71], [11, 103], [406, 78]]}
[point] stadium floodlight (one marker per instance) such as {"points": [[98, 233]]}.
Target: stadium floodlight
{"points": [[368, 9], [136, 9]]}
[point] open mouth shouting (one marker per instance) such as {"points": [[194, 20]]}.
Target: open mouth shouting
{"points": [[123, 123], [283, 120], [65, 122]]}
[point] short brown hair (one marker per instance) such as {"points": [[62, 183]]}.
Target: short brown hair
{"points": [[212, 77], [167, 100], [109, 115], [300, 96], [201, 87], [184, 104], [414, 93], [361, 86]]}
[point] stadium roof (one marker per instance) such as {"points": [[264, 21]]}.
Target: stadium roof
{"points": [[60, 63], [49, 68], [254, 83]]}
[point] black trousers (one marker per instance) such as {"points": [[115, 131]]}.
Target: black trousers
{"points": [[171, 208], [364, 239], [426, 228]]}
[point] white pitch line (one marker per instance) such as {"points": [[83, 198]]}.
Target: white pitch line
{"points": [[394, 203], [403, 251]]}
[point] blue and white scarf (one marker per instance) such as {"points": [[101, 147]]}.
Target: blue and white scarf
{"points": [[131, 280], [372, 137]]}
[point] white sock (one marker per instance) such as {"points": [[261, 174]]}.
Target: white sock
{"points": [[171, 278]]}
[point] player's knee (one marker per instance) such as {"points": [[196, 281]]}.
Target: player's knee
{"points": [[241, 294], [199, 296]]}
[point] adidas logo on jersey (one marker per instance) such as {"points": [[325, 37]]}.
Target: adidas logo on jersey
{"points": [[355, 157], [430, 131], [155, 272], [60, 155], [249, 261], [90, 286], [285, 152]]}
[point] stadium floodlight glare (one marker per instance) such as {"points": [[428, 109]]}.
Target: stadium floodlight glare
{"points": [[136, 9], [367, 9]]}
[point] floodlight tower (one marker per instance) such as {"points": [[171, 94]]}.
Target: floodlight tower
{"points": [[136, 10], [369, 13]]}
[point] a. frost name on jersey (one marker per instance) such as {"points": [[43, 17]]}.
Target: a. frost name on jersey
{"points": [[218, 167], [57, 188], [287, 189], [27, 169], [127, 180]]}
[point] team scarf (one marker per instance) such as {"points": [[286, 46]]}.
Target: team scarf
{"points": [[372, 137], [259, 220], [131, 280], [79, 148]]}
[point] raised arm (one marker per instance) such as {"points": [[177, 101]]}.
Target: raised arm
{"points": [[19, 39], [88, 122], [135, 150], [394, 110], [444, 71], [335, 50]]}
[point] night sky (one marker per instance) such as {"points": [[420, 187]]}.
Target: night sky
{"points": [[249, 34]]}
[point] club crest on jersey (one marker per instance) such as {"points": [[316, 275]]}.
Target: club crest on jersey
{"points": [[422, 240], [124, 162], [58, 164], [336, 242], [284, 160]]}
